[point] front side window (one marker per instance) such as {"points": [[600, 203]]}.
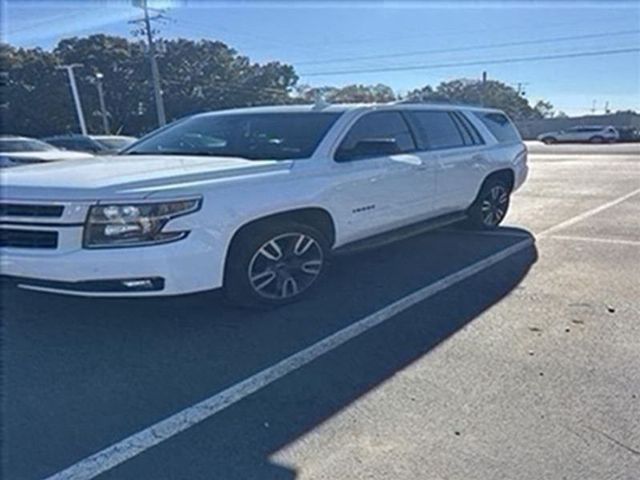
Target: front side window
{"points": [[436, 130], [256, 136], [375, 135]]}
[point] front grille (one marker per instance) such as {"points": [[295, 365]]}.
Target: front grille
{"points": [[10, 237], [30, 210]]}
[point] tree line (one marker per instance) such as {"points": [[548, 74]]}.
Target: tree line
{"points": [[203, 75]]}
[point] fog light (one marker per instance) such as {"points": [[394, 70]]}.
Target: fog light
{"points": [[140, 284]]}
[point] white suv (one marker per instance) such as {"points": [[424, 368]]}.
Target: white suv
{"points": [[253, 200], [584, 133]]}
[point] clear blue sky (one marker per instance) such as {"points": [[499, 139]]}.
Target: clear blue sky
{"points": [[304, 32]]}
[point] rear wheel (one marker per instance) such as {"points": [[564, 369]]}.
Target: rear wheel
{"points": [[596, 139], [491, 205], [549, 140], [274, 264]]}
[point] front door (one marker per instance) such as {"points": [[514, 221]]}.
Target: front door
{"points": [[381, 181]]}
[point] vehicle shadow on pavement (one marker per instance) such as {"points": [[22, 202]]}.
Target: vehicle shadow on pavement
{"points": [[81, 374]]}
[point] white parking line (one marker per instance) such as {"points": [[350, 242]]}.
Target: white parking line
{"points": [[137, 443], [151, 436], [587, 214], [614, 241]]}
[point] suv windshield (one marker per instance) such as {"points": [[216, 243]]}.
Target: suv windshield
{"points": [[276, 136], [24, 145]]}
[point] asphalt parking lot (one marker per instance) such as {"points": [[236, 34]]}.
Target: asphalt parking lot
{"points": [[524, 367]]}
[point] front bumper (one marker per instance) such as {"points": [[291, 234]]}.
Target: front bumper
{"points": [[190, 265]]}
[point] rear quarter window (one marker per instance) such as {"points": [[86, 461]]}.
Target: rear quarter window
{"points": [[500, 126]]}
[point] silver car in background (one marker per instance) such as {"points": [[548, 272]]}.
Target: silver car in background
{"points": [[16, 150], [580, 134]]}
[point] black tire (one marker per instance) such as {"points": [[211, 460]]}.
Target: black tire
{"points": [[249, 264], [549, 140], [596, 139], [490, 206]]}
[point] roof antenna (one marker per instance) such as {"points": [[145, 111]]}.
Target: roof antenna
{"points": [[319, 100]]}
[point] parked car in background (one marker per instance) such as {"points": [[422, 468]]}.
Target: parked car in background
{"points": [[584, 133], [629, 134], [15, 151], [114, 143], [96, 144], [256, 200]]}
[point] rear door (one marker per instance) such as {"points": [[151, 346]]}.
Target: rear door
{"points": [[452, 145]]}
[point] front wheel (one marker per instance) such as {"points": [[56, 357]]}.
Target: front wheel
{"points": [[596, 139], [274, 264], [490, 206]]}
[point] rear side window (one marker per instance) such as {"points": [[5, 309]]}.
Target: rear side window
{"points": [[476, 138], [500, 126], [376, 134], [436, 130]]}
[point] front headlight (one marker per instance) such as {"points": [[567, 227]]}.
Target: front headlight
{"points": [[134, 224]]}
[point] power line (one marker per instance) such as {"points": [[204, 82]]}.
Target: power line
{"points": [[38, 24], [471, 47], [236, 88], [474, 62], [455, 31]]}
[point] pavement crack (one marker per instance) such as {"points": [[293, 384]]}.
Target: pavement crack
{"points": [[614, 440], [576, 433]]}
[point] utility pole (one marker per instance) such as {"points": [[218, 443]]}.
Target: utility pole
{"points": [[74, 92], [103, 108], [155, 74], [484, 88], [520, 90]]}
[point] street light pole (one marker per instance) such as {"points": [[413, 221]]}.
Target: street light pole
{"points": [[74, 92], [103, 108]]}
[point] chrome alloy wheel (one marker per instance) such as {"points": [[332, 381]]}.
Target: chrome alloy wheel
{"points": [[285, 266], [494, 206]]}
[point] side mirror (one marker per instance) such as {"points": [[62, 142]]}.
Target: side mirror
{"points": [[370, 147]]}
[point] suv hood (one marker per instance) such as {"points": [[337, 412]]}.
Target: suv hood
{"points": [[125, 176]]}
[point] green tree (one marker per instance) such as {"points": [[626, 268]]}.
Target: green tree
{"points": [[473, 92], [544, 109], [349, 94], [196, 76], [34, 93]]}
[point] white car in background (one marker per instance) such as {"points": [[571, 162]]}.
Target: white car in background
{"points": [[254, 200], [583, 133], [95, 144], [16, 151]]}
